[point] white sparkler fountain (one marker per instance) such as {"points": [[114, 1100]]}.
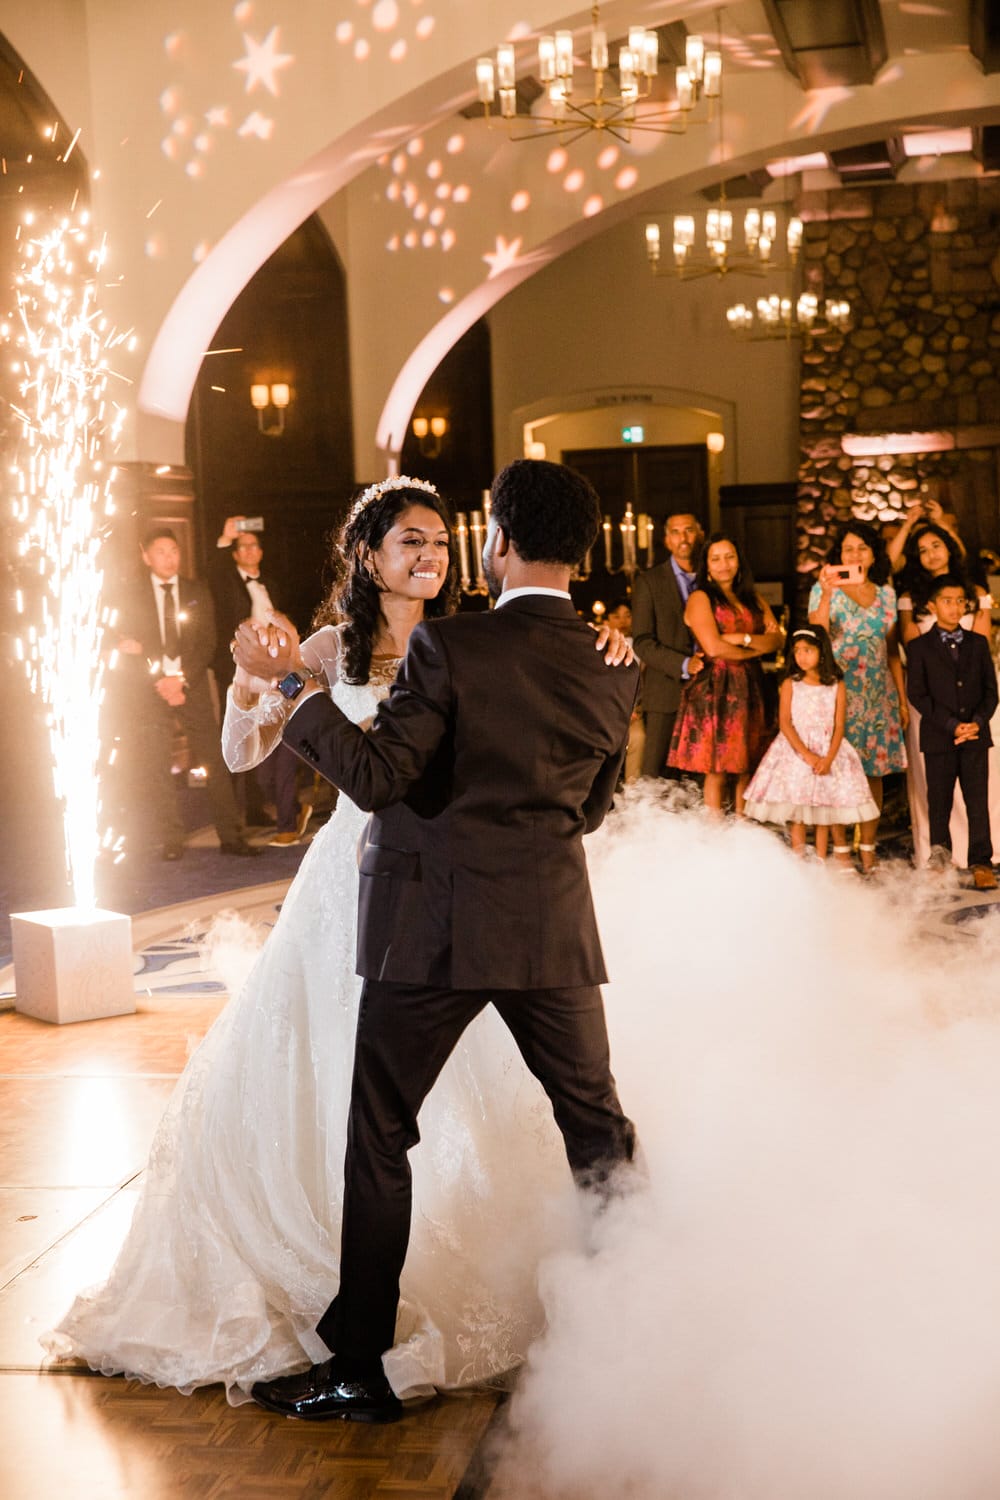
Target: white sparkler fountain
{"points": [[74, 963]]}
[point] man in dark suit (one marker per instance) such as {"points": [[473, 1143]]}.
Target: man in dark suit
{"points": [[662, 641], [242, 592], [952, 683], [168, 642], [499, 747]]}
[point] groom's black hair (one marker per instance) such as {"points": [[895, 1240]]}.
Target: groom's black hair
{"points": [[550, 512]]}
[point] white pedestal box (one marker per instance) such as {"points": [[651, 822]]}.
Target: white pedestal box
{"points": [[73, 965]]}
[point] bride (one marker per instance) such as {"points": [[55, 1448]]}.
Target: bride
{"points": [[232, 1253]]}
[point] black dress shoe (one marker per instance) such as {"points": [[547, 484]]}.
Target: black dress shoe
{"points": [[171, 851], [241, 847], [324, 1393]]}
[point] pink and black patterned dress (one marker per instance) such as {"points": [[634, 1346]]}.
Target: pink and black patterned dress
{"points": [[721, 722]]}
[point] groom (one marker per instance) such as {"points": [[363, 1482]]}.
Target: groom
{"points": [[505, 734]]}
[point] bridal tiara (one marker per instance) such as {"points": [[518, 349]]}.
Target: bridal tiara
{"points": [[384, 486]]}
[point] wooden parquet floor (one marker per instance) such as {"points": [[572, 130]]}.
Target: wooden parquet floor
{"points": [[98, 1439], [78, 1107]]}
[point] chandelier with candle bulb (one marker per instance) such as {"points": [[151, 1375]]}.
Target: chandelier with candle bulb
{"points": [[720, 255], [777, 317], [617, 113]]}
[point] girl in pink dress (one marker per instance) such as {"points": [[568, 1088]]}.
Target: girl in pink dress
{"points": [[811, 775]]}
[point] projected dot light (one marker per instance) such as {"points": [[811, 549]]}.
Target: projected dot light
{"points": [[385, 30], [423, 186]]}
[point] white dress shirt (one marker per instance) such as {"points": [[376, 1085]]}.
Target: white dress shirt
{"points": [[169, 665], [261, 607]]}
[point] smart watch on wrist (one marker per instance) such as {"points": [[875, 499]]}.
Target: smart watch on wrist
{"points": [[291, 686]]}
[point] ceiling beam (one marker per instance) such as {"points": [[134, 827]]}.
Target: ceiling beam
{"points": [[828, 42], [984, 33]]}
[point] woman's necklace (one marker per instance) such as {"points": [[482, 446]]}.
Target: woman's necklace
{"points": [[385, 644]]}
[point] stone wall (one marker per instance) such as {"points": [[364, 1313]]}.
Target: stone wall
{"points": [[918, 367]]}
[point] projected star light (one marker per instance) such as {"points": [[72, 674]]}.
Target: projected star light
{"points": [[194, 126], [263, 61]]}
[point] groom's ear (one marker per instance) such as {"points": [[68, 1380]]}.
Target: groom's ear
{"points": [[501, 545]]}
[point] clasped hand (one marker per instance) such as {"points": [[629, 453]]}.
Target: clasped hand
{"points": [[265, 653], [966, 732]]}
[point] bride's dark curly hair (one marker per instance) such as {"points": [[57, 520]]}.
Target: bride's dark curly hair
{"points": [[353, 598]]}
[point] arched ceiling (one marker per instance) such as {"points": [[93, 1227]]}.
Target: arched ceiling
{"points": [[231, 134]]}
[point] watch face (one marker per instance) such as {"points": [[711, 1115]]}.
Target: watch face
{"points": [[291, 686]]}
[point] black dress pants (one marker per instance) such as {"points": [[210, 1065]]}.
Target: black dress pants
{"points": [[968, 764], [405, 1035], [156, 734], [659, 732]]}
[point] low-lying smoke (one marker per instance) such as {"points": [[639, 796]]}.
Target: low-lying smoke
{"points": [[805, 1303]]}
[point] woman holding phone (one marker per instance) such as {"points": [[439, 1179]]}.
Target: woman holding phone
{"points": [[853, 600]]}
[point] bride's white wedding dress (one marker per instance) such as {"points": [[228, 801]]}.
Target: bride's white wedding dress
{"points": [[232, 1253]]}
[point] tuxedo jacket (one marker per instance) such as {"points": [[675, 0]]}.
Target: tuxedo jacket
{"points": [[948, 689], [662, 640], [233, 605], [499, 747], [138, 618]]}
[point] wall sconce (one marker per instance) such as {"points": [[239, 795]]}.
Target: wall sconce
{"points": [[429, 433], [715, 442], [263, 397]]}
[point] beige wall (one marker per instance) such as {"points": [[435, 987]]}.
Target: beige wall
{"points": [[598, 323]]}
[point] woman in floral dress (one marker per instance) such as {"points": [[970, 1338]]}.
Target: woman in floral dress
{"points": [[721, 727], [861, 620]]}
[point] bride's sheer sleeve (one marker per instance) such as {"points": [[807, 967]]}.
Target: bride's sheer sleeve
{"points": [[250, 734]]}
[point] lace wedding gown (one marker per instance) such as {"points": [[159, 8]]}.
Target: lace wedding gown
{"points": [[232, 1253]]}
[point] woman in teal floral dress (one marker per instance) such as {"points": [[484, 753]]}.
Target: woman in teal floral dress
{"points": [[861, 620]]}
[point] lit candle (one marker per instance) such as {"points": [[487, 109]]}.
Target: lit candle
{"points": [[628, 540], [606, 528], [476, 529], [646, 537], [462, 532]]}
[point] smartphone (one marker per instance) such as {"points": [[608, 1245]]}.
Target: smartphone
{"points": [[252, 523], [848, 573]]}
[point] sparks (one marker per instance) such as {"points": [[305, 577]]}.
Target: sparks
{"points": [[67, 427]]}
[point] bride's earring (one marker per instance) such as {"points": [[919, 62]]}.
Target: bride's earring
{"points": [[371, 568]]}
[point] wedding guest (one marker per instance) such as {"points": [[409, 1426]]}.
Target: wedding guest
{"points": [[168, 642], [241, 591], [663, 641], [811, 776], [619, 617], [721, 727], [934, 552], [860, 616], [898, 534], [953, 685]]}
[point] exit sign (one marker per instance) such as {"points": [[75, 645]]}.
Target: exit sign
{"points": [[634, 434]]}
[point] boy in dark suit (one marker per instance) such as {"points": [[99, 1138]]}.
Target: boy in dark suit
{"points": [[952, 683]]}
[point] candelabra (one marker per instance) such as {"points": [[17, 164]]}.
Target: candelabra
{"points": [[637, 534], [470, 528]]}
